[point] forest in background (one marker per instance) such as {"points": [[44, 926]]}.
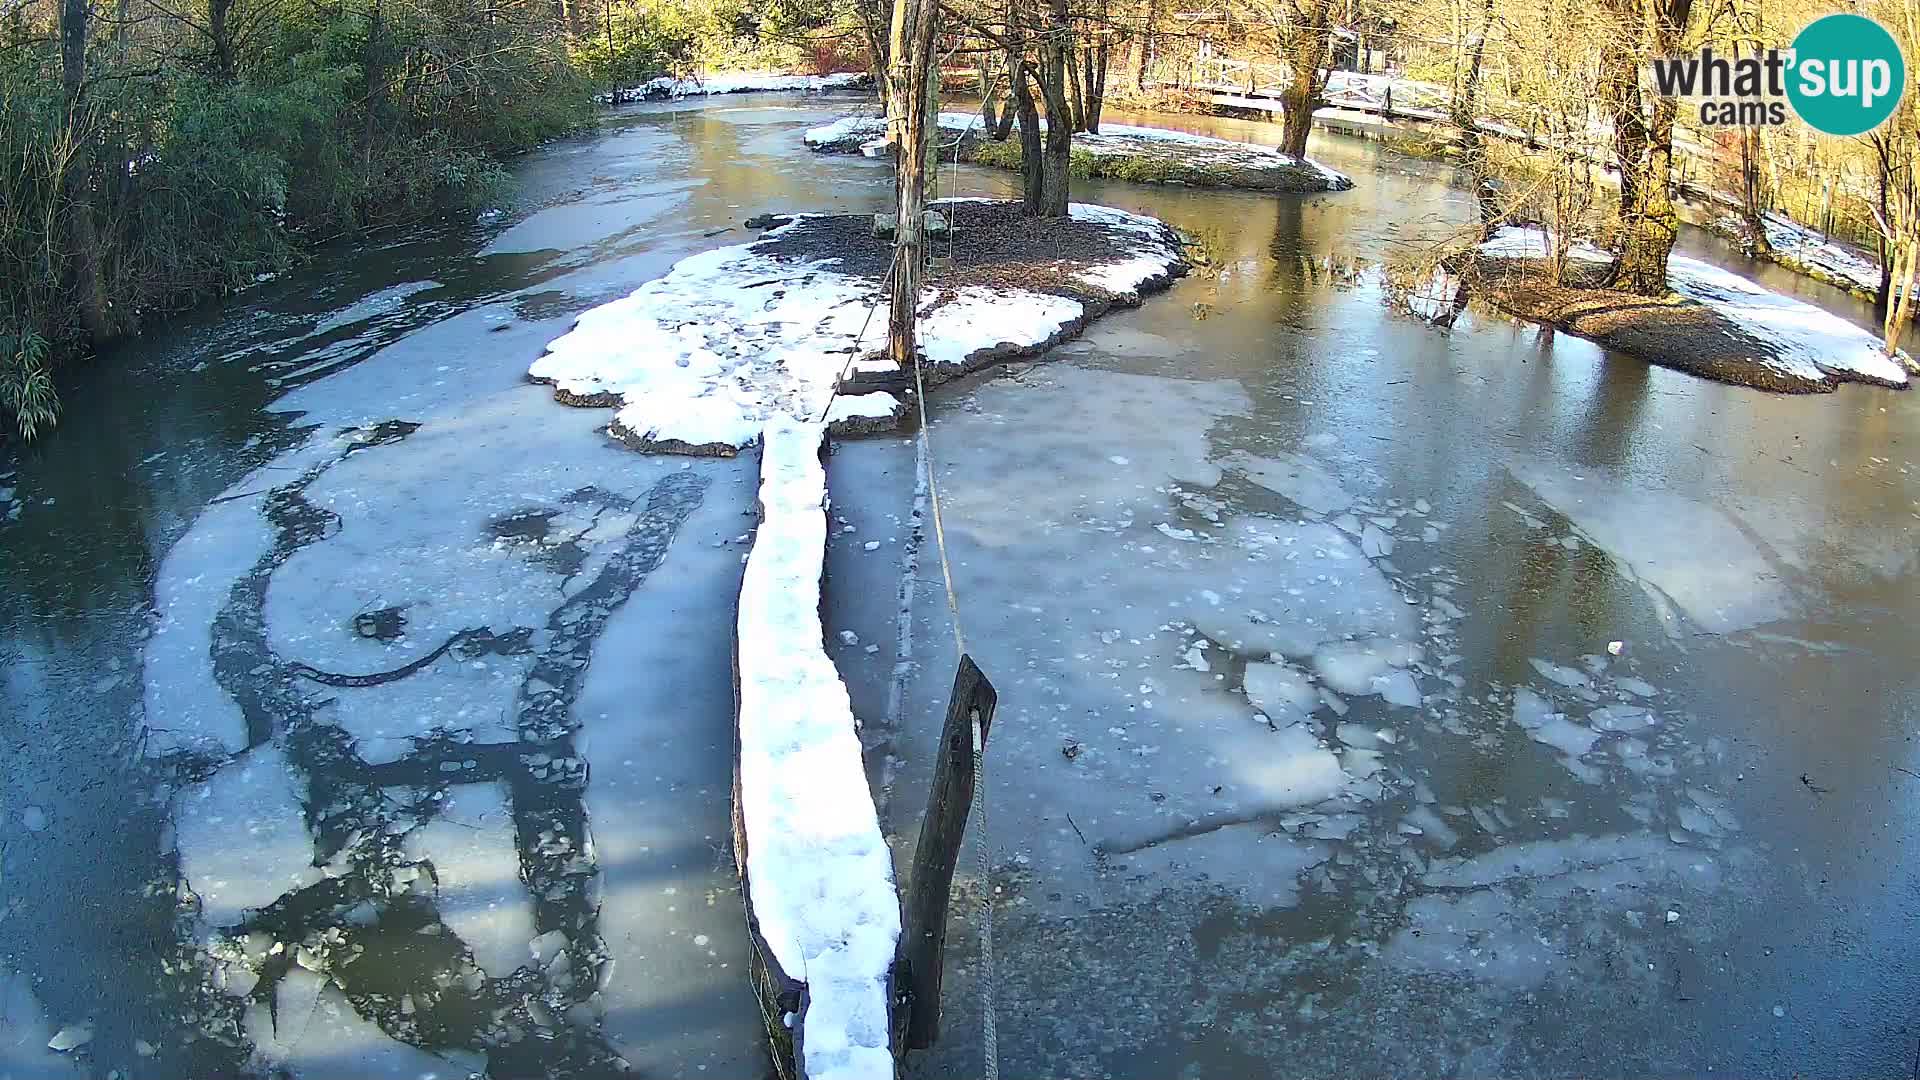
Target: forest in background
{"points": [[160, 152], [157, 153]]}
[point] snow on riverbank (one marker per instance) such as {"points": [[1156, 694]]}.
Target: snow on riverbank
{"points": [[1198, 155], [819, 873], [866, 134], [1808, 344], [1811, 252], [701, 359], [666, 87]]}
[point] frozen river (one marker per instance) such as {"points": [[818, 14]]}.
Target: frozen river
{"points": [[1373, 698]]}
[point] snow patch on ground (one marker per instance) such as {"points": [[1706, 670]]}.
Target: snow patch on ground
{"points": [[1808, 343], [1812, 252], [703, 357], [855, 132], [819, 873], [1805, 337]]}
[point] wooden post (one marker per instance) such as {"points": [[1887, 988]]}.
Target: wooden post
{"points": [[923, 931]]}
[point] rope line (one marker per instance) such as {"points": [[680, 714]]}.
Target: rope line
{"points": [[989, 1018]]}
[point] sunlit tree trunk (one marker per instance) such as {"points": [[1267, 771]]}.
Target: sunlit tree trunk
{"points": [[1648, 224], [911, 81], [1466, 115], [1308, 46], [1057, 158]]}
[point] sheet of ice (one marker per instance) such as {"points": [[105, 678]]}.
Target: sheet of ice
{"points": [[1544, 725], [819, 872], [1520, 915], [313, 1032], [658, 741], [1298, 478], [1280, 690], [1256, 861], [185, 708], [1369, 666], [1087, 614], [1698, 557], [476, 861], [25, 1034], [242, 836]]}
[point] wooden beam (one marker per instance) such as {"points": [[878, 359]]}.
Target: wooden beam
{"points": [[923, 936]]}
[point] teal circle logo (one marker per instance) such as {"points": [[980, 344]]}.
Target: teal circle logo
{"points": [[1847, 74]]}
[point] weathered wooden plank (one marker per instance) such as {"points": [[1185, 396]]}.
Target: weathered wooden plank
{"points": [[923, 936]]}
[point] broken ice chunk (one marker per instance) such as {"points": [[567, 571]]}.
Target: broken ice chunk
{"points": [[1281, 691], [1565, 676], [1370, 666]]}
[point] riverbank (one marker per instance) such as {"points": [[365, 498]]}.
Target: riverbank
{"points": [[699, 360], [672, 88], [1715, 323], [1806, 251], [1117, 152]]}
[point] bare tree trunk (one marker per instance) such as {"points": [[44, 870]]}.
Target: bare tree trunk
{"points": [[1648, 223], [222, 39], [1307, 54], [375, 63], [1143, 43], [912, 78], [89, 289], [1057, 159], [1075, 101], [1095, 95], [1016, 88], [1753, 191], [1466, 114], [1889, 251], [874, 25], [1033, 181]]}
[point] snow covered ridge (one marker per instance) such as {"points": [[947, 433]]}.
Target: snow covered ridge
{"points": [[818, 872], [666, 87], [1792, 345], [1809, 251], [857, 134], [1158, 154], [698, 361]]}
